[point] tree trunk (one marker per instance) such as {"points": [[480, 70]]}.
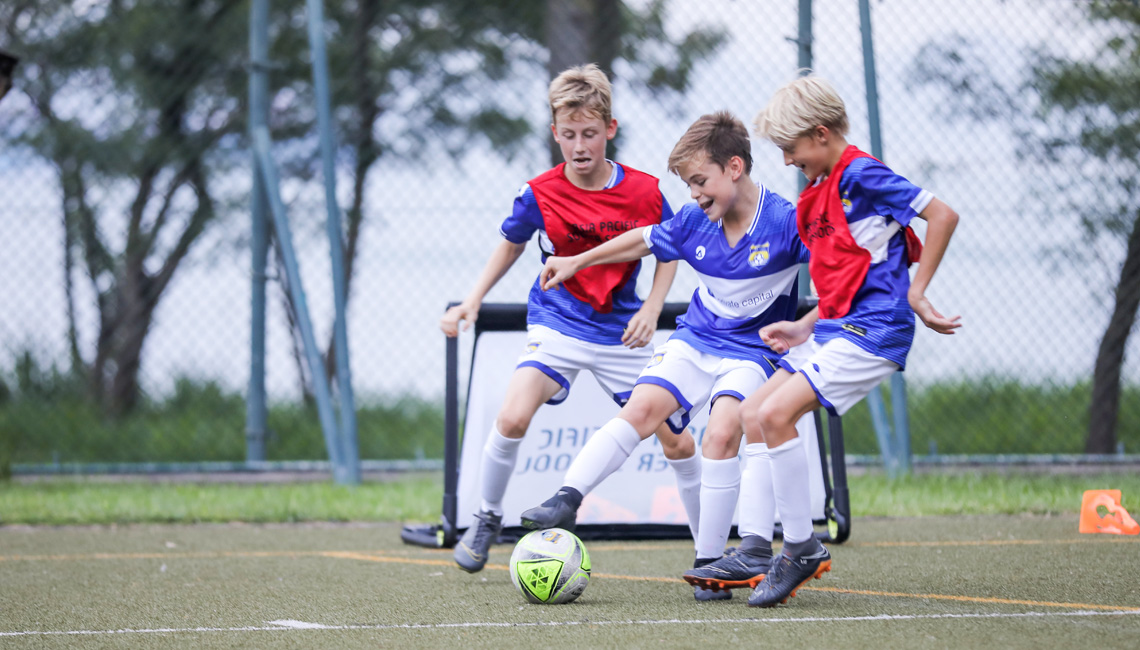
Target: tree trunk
{"points": [[304, 382], [1105, 405], [77, 366], [135, 316], [568, 31]]}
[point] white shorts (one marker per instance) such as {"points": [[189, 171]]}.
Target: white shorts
{"points": [[840, 372], [561, 357], [694, 377]]}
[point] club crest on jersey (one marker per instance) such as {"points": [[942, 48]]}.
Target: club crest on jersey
{"points": [[758, 255], [700, 252], [656, 360], [532, 346]]}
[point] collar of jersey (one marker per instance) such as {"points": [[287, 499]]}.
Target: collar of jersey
{"points": [[755, 217], [613, 175]]}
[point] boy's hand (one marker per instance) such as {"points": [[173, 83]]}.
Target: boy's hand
{"points": [[930, 316], [784, 335], [639, 330], [461, 312], [556, 271]]}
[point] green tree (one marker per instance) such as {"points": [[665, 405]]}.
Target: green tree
{"points": [[141, 109], [454, 66], [1098, 100], [1074, 114], [136, 106]]}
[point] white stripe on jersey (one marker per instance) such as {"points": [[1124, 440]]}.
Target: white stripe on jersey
{"points": [[921, 201], [735, 298], [738, 299], [870, 231], [866, 231]]}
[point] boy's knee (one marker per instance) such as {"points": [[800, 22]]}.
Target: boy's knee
{"points": [[770, 417], [640, 416], [749, 414], [676, 446], [720, 443], [512, 424]]}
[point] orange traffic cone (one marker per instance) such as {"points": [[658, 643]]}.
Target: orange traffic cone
{"points": [[1115, 519]]}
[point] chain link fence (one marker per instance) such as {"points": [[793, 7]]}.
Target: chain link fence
{"points": [[125, 182]]}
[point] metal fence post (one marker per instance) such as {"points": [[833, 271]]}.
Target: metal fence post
{"points": [[896, 456], [255, 407], [350, 453]]}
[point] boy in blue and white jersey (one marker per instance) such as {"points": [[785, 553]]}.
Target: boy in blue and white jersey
{"points": [[741, 240], [597, 323], [854, 216]]}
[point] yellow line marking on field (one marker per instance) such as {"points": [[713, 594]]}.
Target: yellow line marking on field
{"points": [[972, 599], [838, 590], [195, 555], [377, 557], [154, 556], [370, 557], [383, 556]]}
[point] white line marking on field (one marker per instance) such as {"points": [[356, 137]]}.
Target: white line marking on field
{"points": [[298, 625], [288, 624]]}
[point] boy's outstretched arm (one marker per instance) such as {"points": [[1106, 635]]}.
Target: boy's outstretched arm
{"points": [[786, 334], [626, 247], [502, 258], [941, 220], [641, 327]]}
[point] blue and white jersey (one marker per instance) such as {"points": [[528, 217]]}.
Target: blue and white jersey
{"points": [[881, 320], [559, 310], [740, 288]]}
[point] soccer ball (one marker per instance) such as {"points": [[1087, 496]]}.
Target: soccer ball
{"points": [[550, 566]]}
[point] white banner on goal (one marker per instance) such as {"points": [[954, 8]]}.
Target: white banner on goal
{"points": [[642, 491]]}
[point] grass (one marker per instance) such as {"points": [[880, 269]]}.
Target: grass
{"points": [[417, 498], [1019, 583], [992, 415], [47, 418], [201, 422], [414, 497]]}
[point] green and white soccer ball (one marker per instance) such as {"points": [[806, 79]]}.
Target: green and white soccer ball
{"points": [[550, 566]]}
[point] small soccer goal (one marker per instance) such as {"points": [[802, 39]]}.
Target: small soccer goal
{"points": [[639, 501]]}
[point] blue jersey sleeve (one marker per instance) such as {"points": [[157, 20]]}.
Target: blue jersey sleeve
{"points": [[525, 218], [665, 239], [880, 191]]}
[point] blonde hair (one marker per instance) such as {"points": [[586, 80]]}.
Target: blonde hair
{"points": [[582, 88], [797, 108], [718, 136]]}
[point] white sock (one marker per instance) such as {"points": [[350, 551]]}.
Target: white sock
{"points": [[792, 489], [603, 454], [499, 455], [757, 502], [688, 472], [720, 486]]}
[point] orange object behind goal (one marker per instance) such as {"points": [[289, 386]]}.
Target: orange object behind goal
{"points": [[1114, 519]]}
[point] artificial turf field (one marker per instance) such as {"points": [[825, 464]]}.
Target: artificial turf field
{"points": [[963, 582]]}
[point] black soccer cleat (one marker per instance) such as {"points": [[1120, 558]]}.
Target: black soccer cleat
{"points": [[738, 568], [704, 594], [789, 574], [555, 512], [471, 551]]}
